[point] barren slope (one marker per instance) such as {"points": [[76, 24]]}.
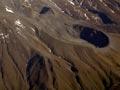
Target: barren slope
{"points": [[59, 45]]}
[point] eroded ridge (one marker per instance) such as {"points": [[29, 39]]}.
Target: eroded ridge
{"points": [[59, 45]]}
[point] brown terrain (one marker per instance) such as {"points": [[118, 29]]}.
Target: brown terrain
{"points": [[59, 44]]}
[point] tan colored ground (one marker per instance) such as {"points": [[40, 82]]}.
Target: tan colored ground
{"points": [[64, 61]]}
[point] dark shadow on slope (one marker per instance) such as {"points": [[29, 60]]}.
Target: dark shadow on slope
{"points": [[105, 19], [45, 10], [36, 73], [97, 38]]}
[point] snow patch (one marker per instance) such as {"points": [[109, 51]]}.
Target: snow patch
{"points": [[18, 23], [8, 9]]}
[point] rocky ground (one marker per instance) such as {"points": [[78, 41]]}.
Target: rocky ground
{"points": [[59, 45]]}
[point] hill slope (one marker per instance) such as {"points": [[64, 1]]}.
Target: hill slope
{"points": [[59, 45]]}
